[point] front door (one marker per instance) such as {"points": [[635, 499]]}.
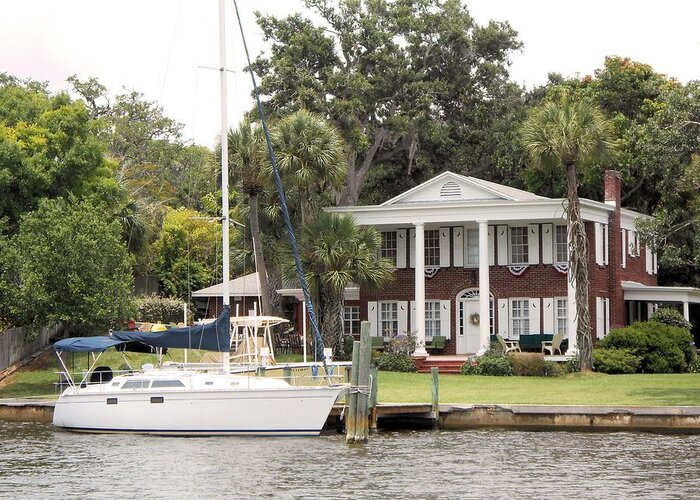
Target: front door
{"points": [[468, 326]]}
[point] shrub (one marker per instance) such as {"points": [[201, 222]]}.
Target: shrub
{"points": [[395, 362], [527, 364], [552, 369], [661, 348], [573, 365], [156, 309], [670, 317], [401, 344], [471, 367], [694, 367], [611, 361], [498, 366]]}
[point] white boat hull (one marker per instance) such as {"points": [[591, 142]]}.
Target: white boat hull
{"points": [[269, 411]]}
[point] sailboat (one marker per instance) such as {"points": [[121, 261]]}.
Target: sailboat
{"points": [[185, 399]]}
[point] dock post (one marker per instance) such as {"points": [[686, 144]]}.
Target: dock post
{"points": [[351, 407], [362, 415], [436, 396], [287, 374], [373, 398]]}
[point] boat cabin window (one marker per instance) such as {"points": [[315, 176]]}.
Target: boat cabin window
{"points": [[136, 384], [209, 382], [167, 383], [114, 384]]}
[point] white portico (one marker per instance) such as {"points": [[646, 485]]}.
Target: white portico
{"points": [[473, 258]]}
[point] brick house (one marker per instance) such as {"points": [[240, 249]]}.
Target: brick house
{"points": [[466, 249]]}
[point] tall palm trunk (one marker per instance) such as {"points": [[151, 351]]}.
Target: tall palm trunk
{"points": [[332, 321], [258, 250], [578, 251]]}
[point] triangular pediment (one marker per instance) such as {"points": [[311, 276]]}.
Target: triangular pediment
{"points": [[450, 187]]}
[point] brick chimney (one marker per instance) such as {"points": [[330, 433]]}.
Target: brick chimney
{"points": [[613, 185]]}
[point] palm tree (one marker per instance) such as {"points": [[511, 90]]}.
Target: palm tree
{"points": [[336, 252], [568, 134], [248, 169], [311, 158]]}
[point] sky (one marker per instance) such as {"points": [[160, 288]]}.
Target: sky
{"points": [[164, 48]]}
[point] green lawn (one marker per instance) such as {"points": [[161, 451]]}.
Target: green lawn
{"points": [[574, 389]]}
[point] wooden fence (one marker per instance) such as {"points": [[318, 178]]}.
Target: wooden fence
{"points": [[13, 347]]}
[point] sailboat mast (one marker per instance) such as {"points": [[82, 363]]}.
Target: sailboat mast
{"points": [[224, 164]]}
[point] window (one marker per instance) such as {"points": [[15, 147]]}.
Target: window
{"points": [[472, 247], [351, 320], [389, 246], [518, 245], [136, 384], [633, 237], [166, 383], [561, 244], [432, 247], [389, 318], [432, 318], [560, 319], [520, 316]]}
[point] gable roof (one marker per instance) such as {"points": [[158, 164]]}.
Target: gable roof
{"points": [[245, 286], [450, 187]]}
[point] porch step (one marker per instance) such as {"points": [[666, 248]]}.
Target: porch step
{"points": [[450, 365]]}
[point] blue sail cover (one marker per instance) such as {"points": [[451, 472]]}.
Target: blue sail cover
{"points": [[211, 337]]}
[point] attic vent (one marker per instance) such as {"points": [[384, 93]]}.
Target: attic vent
{"points": [[450, 189]]}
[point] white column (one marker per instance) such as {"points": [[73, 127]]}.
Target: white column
{"points": [[420, 290], [686, 311], [572, 323], [484, 326]]}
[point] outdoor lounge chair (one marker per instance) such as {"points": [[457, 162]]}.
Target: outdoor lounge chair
{"points": [[377, 343], [553, 345], [508, 345], [437, 343]]}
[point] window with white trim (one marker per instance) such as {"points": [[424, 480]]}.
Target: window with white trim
{"points": [[518, 245], [432, 318], [389, 246], [561, 244], [472, 248], [560, 316], [351, 320], [389, 318], [633, 242], [520, 316], [432, 247]]}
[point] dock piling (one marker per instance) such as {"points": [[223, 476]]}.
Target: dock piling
{"points": [[435, 395]]}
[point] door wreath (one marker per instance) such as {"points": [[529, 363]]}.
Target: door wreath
{"points": [[474, 319]]}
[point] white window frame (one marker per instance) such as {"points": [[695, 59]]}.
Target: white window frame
{"points": [[432, 318], [388, 318], [559, 317], [387, 252], [351, 319], [522, 245], [432, 252], [472, 250], [557, 244], [519, 316]]}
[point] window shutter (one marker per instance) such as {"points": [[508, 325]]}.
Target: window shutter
{"points": [[458, 238], [503, 314], [624, 248], [502, 237], [548, 315], [373, 318], [606, 245], [599, 243], [648, 260], [401, 248], [402, 306], [445, 324], [599, 317], [535, 326], [492, 233], [547, 243], [533, 244], [412, 307], [444, 247], [655, 265], [606, 326], [412, 247]]}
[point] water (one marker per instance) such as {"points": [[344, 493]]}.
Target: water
{"points": [[38, 462]]}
